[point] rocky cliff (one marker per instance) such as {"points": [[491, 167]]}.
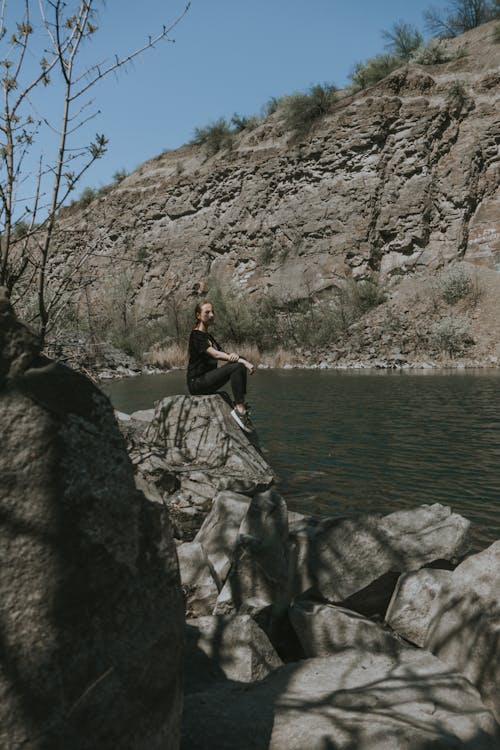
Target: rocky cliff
{"points": [[398, 182]]}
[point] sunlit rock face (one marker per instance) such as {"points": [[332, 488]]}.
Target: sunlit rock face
{"points": [[400, 178], [91, 604]]}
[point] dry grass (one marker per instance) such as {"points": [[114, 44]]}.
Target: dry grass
{"points": [[169, 356], [247, 351], [279, 358], [175, 356]]}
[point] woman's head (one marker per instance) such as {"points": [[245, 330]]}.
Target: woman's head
{"points": [[204, 313]]}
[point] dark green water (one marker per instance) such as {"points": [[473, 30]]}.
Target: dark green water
{"points": [[350, 442]]}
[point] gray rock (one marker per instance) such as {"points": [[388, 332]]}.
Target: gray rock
{"points": [[199, 433], [411, 606], [357, 561], [143, 415], [258, 581], [91, 604], [220, 648], [324, 630], [355, 700], [219, 532], [465, 627], [197, 580]]}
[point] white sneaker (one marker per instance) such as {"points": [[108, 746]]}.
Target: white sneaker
{"points": [[242, 420]]}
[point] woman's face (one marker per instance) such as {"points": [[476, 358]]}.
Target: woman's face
{"points": [[206, 315]]}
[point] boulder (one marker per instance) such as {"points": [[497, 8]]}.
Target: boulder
{"points": [[411, 606], [226, 648], [91, 603], [324, 630], [219, 532], [354, 700], [197, 580], [198, 433], [18, 345], [258, 580], [465, 627], [356, 562]]}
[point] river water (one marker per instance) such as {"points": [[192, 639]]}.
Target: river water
{"points": [[364, 441]]}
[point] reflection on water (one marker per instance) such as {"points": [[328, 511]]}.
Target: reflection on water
{"points": [[344, 443]]}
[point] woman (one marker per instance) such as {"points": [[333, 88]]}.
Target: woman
{"points": [[205, 377]]}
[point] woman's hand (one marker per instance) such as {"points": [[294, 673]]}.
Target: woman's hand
{"points": [[233, 357], [248, 365]]}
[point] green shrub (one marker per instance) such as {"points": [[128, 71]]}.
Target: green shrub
{"points": [[19, 229], [402, 40], [455, 284], [451, 335], [215, 137], [243, 122], [302, 111], [271, 106], [435, 52], [266, 252], [86, 197], [374, 70], [120, 175]]}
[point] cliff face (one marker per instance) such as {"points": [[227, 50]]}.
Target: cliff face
{"points": [[399, 180]]}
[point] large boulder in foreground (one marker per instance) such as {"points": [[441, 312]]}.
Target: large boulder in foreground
{"points": [[91, 604], [354, 700], [357, 561], [465, 627]]}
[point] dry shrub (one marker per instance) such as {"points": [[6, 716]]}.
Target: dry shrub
{"points": [[168, 356], [279, 358], [247, 351]]}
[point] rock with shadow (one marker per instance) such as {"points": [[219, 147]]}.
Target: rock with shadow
{"points": [[410, 610], [357, 561], [198, 583], [465, 627], [91, 620], [187, 451], [219, 532], [324, 629], [224, 648], [197, 433], [257, 583], [354, 700]]}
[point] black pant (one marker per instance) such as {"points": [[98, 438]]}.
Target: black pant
{"points": [[211, 381]]}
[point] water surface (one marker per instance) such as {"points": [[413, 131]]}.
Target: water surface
{"points": [[350, 442]]}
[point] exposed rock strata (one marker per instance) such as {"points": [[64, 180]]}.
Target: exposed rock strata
{"points": [[399, 180], [91, 605]]}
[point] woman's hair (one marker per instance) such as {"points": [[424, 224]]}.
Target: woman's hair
{"points": [[197, 310]]}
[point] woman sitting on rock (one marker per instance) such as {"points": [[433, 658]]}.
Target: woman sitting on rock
{"points": [[204, 377]]}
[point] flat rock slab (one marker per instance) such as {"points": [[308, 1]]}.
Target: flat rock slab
{"points": [[351, 701]]}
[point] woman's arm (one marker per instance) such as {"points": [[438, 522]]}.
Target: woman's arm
{"points": [[218, 354], [232, 357]]}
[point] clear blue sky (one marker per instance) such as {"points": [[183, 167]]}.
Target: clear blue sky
{"points": [[229, 56]]}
